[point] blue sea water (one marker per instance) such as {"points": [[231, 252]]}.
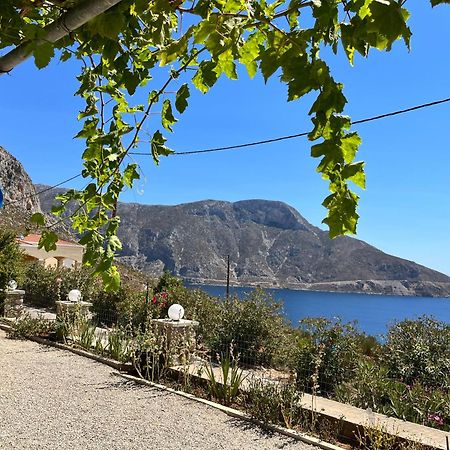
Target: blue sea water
{"points": [[373, 313]]}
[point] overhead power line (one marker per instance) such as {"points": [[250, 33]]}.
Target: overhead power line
{"points": [[305, 133], [49, 188], [249, 144]]}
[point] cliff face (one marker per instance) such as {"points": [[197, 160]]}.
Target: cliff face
{"points": [[18, 191], [16, 184]]}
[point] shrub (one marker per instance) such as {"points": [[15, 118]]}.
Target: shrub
{"points": [[419, 351], [122, 306], [118, 345], [11, 262], [255, 326], [225, 388], [168, 282], [198, 305], [29, 327], [327, 354], [372, 388], [272, 403], [43, 286]]}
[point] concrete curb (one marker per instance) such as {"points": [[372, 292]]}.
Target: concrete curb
{"points": [[4, 327], [235, 413]]}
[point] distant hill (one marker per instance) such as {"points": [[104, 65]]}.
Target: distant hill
{"points": [[269, 243]]}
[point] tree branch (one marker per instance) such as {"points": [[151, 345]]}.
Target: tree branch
{"points": [[55, 31]]}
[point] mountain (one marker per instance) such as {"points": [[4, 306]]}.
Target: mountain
{"points": [[269, 243], [18, 190]]}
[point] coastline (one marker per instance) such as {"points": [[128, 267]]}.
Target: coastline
{"points": [[402, 288]]}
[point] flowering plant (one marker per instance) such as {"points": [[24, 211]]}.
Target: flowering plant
{"points": [[159, 302], [436, 419]]}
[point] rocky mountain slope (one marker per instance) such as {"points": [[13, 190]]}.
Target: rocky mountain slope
{"points": [[18, 191], [269, 243]]}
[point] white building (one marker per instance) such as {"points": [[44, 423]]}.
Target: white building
{"points": [[67, 254]]}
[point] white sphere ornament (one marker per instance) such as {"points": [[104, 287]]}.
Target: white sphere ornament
{"points": [[74, 295], [176, 312], [12, 285]]}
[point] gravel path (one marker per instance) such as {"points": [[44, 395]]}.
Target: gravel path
{"points": [[53, 399]]}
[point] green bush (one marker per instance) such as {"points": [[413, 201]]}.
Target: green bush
{"points": [[419, 351], [45, 285], [122, 306], [31, 327], [11, 262], [327, 354], [272, 403], [255, 326], [371, 387]]}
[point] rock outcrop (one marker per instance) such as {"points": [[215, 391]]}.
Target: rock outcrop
{"points": [[17, 187], [19, 193]]}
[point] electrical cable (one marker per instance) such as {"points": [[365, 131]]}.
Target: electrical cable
{"points": [[249, 144], [293, 136]]}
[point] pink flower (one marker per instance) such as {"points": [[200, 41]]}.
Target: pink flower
{"points": [[436, 418], [155, 299]]}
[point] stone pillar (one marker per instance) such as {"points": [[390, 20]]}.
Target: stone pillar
{"points": [[178, 338], [14, 303]]}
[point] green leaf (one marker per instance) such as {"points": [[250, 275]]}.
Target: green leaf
{"points": [[38, 219], [349, 145], [206, 76], [269, 63], [158, 148], [43, 53], [111, 279], [109, 24], [342, 217], [203, 30], [175, 50], [48, 241], [57, 210], [167, 118], [249, 53], [114, 244], [226, 65], [355, 173], [130, 174], [131, 81], [181, 98]]}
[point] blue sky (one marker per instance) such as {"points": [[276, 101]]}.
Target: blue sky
{"points": [[404, 210]]}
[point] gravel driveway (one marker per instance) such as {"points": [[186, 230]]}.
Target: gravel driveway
{"points": [[53, 399]]}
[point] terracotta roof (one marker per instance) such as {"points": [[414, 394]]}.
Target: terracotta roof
{"points": [[33, 239]]}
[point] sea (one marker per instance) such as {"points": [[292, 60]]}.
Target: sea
{"points": [[373, 313]]}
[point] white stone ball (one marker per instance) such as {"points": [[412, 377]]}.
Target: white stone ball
{"points": [[176, 312], [74, 295], [12, 285]]}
